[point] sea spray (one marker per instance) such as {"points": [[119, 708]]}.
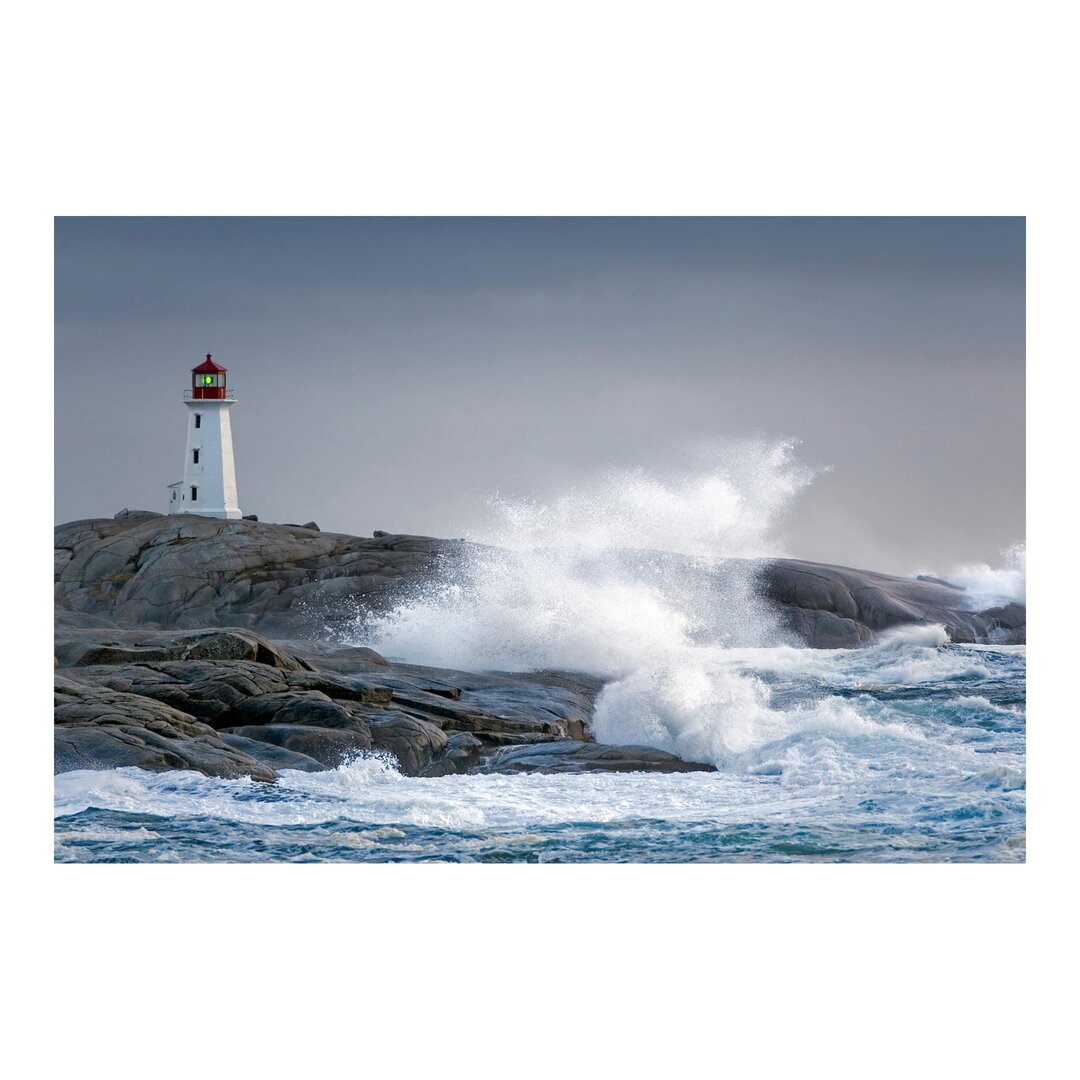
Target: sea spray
{"points": [[632, 579], [986, 586], [630, 571], [651, 583], [728, 502]]}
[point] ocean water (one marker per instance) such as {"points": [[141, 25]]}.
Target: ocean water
{"points": [[908, 753], [911, 750]]}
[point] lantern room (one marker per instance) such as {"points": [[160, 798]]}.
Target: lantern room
{"points": [[208, 380]]}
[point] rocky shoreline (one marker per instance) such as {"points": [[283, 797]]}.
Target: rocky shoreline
{"points": [[232, 703], [193, 643]]}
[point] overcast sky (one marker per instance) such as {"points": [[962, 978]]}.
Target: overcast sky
{"points": [[394, 373]]}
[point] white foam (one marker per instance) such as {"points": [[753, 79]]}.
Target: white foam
{"points": [[574, 584], [716, 708], [588, 580], [369, 792], [931, 636], [987, 587]]}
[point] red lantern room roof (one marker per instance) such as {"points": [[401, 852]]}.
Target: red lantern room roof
{"points": [[207, 366]]}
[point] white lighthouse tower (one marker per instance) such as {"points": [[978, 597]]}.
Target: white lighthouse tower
{"points": [[209, 484]]}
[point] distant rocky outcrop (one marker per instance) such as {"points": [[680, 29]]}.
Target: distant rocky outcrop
{"points": [[833, 607]]}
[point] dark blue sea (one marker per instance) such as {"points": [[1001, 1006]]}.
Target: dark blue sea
{"points": [[912, 750]]}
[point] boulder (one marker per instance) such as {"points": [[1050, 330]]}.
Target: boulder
{"points": [[461, 753], [569, 755], [308, 708], [205, 690], [412, 741], [838, 607], [230, 693], [1007, 625], [276, 757], [321, 716], [79, 647], [327, 748], [98, 728]]}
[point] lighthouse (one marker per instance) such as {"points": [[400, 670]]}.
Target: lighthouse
{"points": [[209, 484]]}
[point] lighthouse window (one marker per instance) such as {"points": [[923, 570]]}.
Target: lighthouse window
{"points": [[194, 493], [198, 420], [195, 457]]}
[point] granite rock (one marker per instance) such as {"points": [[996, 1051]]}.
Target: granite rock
{"points": [[158, 572], [100, 728], [570, 755]]}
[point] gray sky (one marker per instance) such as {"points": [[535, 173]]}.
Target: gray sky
{"points": [[393, 373]]}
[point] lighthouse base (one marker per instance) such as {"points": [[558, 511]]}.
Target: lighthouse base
{"points": [[179, 503]]}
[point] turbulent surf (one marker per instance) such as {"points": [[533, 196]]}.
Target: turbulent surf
{"points": [[908, 749]]}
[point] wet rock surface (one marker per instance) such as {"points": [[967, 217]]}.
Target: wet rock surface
{"points": [[119, 703], [569, 755], [97, 727], [160, 665], [81, 647]]}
